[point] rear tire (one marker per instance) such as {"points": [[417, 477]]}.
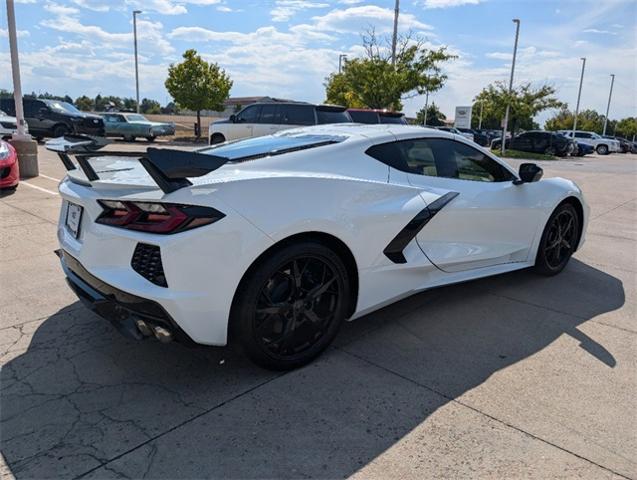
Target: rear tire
{"points": [[602, 149], [151, 139], [129, 138], [291, 306], [559, 240]]}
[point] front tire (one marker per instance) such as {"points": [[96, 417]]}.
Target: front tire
{"points": [[559, 240], [60, 131], [602, 149], [291, 306], [129, 138], [151, 138]]}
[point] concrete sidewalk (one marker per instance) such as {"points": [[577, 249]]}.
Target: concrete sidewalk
{"points": [[516, 376]]}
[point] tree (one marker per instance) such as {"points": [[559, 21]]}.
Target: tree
{"points": [[626, 127], [198, 85], [149, 106], [374, 82], [525, 102], [170, 109], [588, 120], [84, 103], [435, 117]]}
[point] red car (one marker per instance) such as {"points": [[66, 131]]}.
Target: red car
{"points": [[9, 169]]}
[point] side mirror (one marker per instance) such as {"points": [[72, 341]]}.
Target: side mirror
{"points": [[528, 173], [233, 118]]}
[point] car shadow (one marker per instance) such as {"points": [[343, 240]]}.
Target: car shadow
{"points": [[77, 395]]}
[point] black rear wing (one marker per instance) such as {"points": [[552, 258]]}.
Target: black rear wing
{"points": [[169, 168]]}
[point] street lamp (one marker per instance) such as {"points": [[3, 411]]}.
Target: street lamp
{"points": [[579, 94], [394, 38], [480, 120], [135, 13], [341, 57], [506, 113], [424, 123], [612, 81]]}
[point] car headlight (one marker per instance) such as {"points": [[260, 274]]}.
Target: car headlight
{"points": [[4, 151]]}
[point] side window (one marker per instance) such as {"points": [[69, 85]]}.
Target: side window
{"points": [[297, 114], [31, 107], [249, 114], [582, 135], [269, 114], [419, 157], [474, 165]]}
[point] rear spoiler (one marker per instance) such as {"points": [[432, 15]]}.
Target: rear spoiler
{"points": [[169, 168]]}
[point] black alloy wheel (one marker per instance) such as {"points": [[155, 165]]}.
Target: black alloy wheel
{"points": [[291, 308], [559, 240]]}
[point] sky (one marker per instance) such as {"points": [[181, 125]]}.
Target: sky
{"points": [[286, 48]]}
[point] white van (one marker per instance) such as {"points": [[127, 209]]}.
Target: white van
{"points": [[261, 119]]}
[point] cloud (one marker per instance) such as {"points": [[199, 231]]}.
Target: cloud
{"points": [[20, 33], [95, 5], [357, 19], [286, 9], [447, 3], [595, 30]]}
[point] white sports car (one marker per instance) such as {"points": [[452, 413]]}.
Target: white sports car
{"points": [[277, 240]]}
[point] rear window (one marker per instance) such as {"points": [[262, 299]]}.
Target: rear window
{"points": [[297, 114], [258, 147], [363, 117], [331, 115], [394, 119]]}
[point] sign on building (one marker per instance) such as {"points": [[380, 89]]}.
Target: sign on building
{"points": [[463, 117]]}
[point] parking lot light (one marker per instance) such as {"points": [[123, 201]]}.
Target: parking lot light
{"points": [[579, 95], [506, 113], [610, 94], [341, 57], [135, 13]]}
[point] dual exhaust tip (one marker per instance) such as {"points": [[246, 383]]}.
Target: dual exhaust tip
{"points": [[160, 333]]}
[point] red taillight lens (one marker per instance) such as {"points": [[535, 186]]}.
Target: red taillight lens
{"points": [[152, 217]]}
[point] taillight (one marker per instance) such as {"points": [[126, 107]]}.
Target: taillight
{"points": [[153, 217]]}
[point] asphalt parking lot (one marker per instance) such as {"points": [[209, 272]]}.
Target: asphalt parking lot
{"points": [[516, 376]]}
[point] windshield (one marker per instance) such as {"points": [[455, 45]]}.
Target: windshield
{"points": [[63, 107], [136, 118], [270, 145]]}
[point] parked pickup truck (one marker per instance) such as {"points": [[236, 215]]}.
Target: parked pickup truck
{"points": [[129, 126]]}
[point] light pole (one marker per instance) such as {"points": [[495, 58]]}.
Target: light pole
{"points": [[579, 95], [135, 13], [394, 38], [612, 81], [424, 123], [341, 57], [506, 113], [26, 148]]}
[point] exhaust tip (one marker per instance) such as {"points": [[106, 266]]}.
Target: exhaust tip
{"points": [[144, 328], [163, 335]]}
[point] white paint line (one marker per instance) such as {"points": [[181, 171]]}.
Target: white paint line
{"points": [[38, 188], [50, 178]]}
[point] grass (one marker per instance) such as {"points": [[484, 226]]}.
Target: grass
{"points": [[523, 155]]}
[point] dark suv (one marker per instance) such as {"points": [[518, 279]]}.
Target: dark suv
{"points": [[360, 115], [54, 118], [538, 141]]}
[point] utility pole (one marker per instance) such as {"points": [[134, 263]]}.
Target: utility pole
{"points": [[506, 113], [135, 13], [394, 38], [24, 145], [612, 81], [579, 95], [341, 57]]}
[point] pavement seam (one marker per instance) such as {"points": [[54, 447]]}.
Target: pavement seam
{"points": [[587, 319], [612, 209], [480, 412], [30, 213], [175, 427]]}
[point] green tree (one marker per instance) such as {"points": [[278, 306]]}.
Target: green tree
{"points": [[525, 102], [84, 103], [435, 118], [626, 127], [149, 106], [374, 82], [198, 85], [588, 120]]}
